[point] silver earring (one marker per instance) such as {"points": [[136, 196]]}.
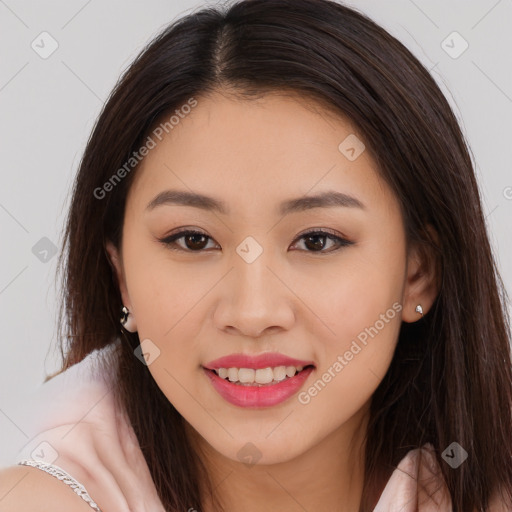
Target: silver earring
{"points": [[419, 309], [127, 320]]}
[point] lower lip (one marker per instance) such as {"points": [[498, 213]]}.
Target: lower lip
{"points": [[258, 396]]}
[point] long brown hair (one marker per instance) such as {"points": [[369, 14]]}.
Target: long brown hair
{"points": [[451, 376]]}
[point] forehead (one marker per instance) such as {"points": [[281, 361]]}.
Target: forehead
{"points": [[256, 151]]}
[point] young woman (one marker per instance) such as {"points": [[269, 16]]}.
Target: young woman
{"points": [[278, 204]]}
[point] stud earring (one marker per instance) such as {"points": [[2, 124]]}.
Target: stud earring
{"points": [[127, 320], [419, 309]]}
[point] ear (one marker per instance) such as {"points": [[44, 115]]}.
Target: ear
{"points": [[423, 278], [116, 263]]}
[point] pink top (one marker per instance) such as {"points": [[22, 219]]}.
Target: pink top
{"points": [[74, 426]]}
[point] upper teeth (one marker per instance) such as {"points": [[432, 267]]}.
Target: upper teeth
{"points": [[260, 376]]}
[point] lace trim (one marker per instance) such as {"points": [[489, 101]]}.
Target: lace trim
{"points": [[59, 473]]}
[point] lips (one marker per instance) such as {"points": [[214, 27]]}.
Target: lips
{"points": [[256, 395]]}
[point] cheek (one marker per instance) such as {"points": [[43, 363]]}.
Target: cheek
{"points": [[362, 308], [167, 305], [353, 295], [354, 361], [163, 293]]}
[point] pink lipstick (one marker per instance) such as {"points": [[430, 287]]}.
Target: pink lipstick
{"points": [[249, 393]]}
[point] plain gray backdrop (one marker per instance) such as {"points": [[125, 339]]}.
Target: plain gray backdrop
{"points": [[60, 60]]}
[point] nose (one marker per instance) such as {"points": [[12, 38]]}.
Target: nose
{"points": [[256, 300]]}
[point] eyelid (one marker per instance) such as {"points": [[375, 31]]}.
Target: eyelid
{"points": [[326, 231]]}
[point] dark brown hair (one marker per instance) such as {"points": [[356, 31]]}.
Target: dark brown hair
{"points": [[450, 379]]}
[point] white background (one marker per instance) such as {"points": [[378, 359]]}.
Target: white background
{"points": [[48, 107]]}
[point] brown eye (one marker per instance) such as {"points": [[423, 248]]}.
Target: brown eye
{"points": [[193, 241], [316, 241]]}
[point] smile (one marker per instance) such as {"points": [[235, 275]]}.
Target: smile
{"points": [[260, 376], [257, 381]]}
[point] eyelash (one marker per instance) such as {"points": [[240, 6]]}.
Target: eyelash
{"points": [[169, 241]]}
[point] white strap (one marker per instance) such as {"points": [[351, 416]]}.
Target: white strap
{"points": [[59, 473]]}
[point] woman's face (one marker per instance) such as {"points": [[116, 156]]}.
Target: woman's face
{"points": [[253, 282]]}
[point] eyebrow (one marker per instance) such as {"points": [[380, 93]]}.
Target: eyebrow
{"points": [[328, 199]]}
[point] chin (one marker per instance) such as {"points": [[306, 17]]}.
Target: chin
{"points": [[263, 452]]}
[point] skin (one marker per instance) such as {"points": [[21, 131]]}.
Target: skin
{"points": [[294, 299]]}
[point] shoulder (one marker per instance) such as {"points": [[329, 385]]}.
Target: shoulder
{"points": [[28, 488]]}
